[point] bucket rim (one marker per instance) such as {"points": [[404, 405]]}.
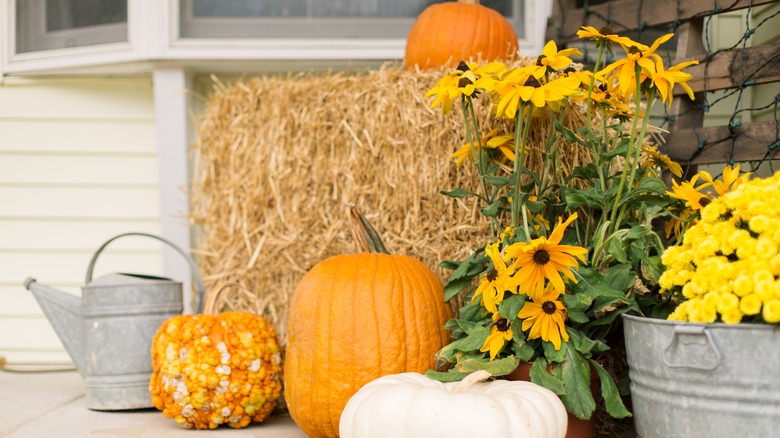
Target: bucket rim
{"points": [[713, 325]]}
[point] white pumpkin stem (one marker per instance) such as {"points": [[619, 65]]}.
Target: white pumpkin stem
{"points": [[471, 379]]}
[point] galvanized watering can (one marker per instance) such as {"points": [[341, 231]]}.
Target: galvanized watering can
{"points": [[108, 332]]}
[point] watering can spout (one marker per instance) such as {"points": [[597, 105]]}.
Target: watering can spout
{"points": [[63, 311]]}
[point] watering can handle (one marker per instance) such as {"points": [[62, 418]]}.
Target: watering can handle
{"points": [[195, 271]]}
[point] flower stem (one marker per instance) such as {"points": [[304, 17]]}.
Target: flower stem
{"points": [[472, 136], [629, 152], [521, 126]]}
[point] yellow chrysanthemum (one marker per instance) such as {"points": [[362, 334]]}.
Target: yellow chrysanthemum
{"points": [[500, 334], [545, 317], [545, 258]]}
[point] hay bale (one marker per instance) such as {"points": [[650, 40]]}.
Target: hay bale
{"points": [[278, 159]]}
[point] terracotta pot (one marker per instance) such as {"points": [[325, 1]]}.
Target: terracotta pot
{"points": [[578, 428]]}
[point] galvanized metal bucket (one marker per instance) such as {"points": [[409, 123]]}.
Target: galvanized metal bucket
{"points": [[108, 331], [692, 380]]}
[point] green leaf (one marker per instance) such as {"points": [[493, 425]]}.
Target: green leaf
{"points": [[616, 250], [457, 193], [612, 401], [497, 181], [454, 287], [621, 149], [576, 305], [472, 312], [653, 267], [498, 367], [620, 277], [570, 136], [510, 307], [472, 342], [582, 343], [522, 349], [541, 376], [450, 265], [535, 207], [452, 375], [575, 373], [552, 354], [587, 173], [492, 209]]}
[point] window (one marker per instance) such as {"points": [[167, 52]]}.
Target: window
{"points": [[314, 18], [57, 24]]}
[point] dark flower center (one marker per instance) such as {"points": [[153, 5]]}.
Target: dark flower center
{"points": [[502, 325], [539, 60], [568, 70], [464, 82], [549, 307], [634, 50], [541, 257], [532, 82], [492, 275], [462, 66], [606, 31], [704, 201]]}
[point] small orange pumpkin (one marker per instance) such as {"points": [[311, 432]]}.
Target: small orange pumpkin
{"points": [[354, 318], [216, 368], [446, 33]]}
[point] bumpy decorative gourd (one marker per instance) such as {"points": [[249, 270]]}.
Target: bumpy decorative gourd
{"points": [[446, 33], [354, 318], [209, 370], [411, 405]]}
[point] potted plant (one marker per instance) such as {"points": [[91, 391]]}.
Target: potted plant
{"points": [[711, 368], [574, 242]]}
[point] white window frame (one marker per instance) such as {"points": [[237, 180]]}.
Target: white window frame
{"points": [[153, 29]]}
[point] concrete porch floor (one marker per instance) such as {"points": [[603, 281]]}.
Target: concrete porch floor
{"points": [[52, 404]]}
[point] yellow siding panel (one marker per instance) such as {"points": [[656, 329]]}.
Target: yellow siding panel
{"points": [[71, 268], [78, 165], [78, 136], [23, 168], [78, 235], [107, 203]]}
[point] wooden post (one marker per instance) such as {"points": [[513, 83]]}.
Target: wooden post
{"points": [[687, 114]]}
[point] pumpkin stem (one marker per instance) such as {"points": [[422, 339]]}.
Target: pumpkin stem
{"points": [[469, 2], [365, 236], [471, 379], [216, 297]]}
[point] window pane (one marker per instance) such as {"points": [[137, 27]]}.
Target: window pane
{"points": [[57, 24], [324, 8], [314, 18], [71, 14]]}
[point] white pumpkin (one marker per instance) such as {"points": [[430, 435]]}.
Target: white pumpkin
{"points": [[412, 405]]}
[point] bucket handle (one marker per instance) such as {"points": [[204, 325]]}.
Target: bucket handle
{"points": [[195, 271], [693, 330]]}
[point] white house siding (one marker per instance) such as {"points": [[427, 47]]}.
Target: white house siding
{"points": [[78, 165]]}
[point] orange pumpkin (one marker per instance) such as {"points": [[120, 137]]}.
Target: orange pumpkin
{"points": [[446, 33], [353, 319]]}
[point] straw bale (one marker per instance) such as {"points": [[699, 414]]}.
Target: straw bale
{"points": [[280, 158]]}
